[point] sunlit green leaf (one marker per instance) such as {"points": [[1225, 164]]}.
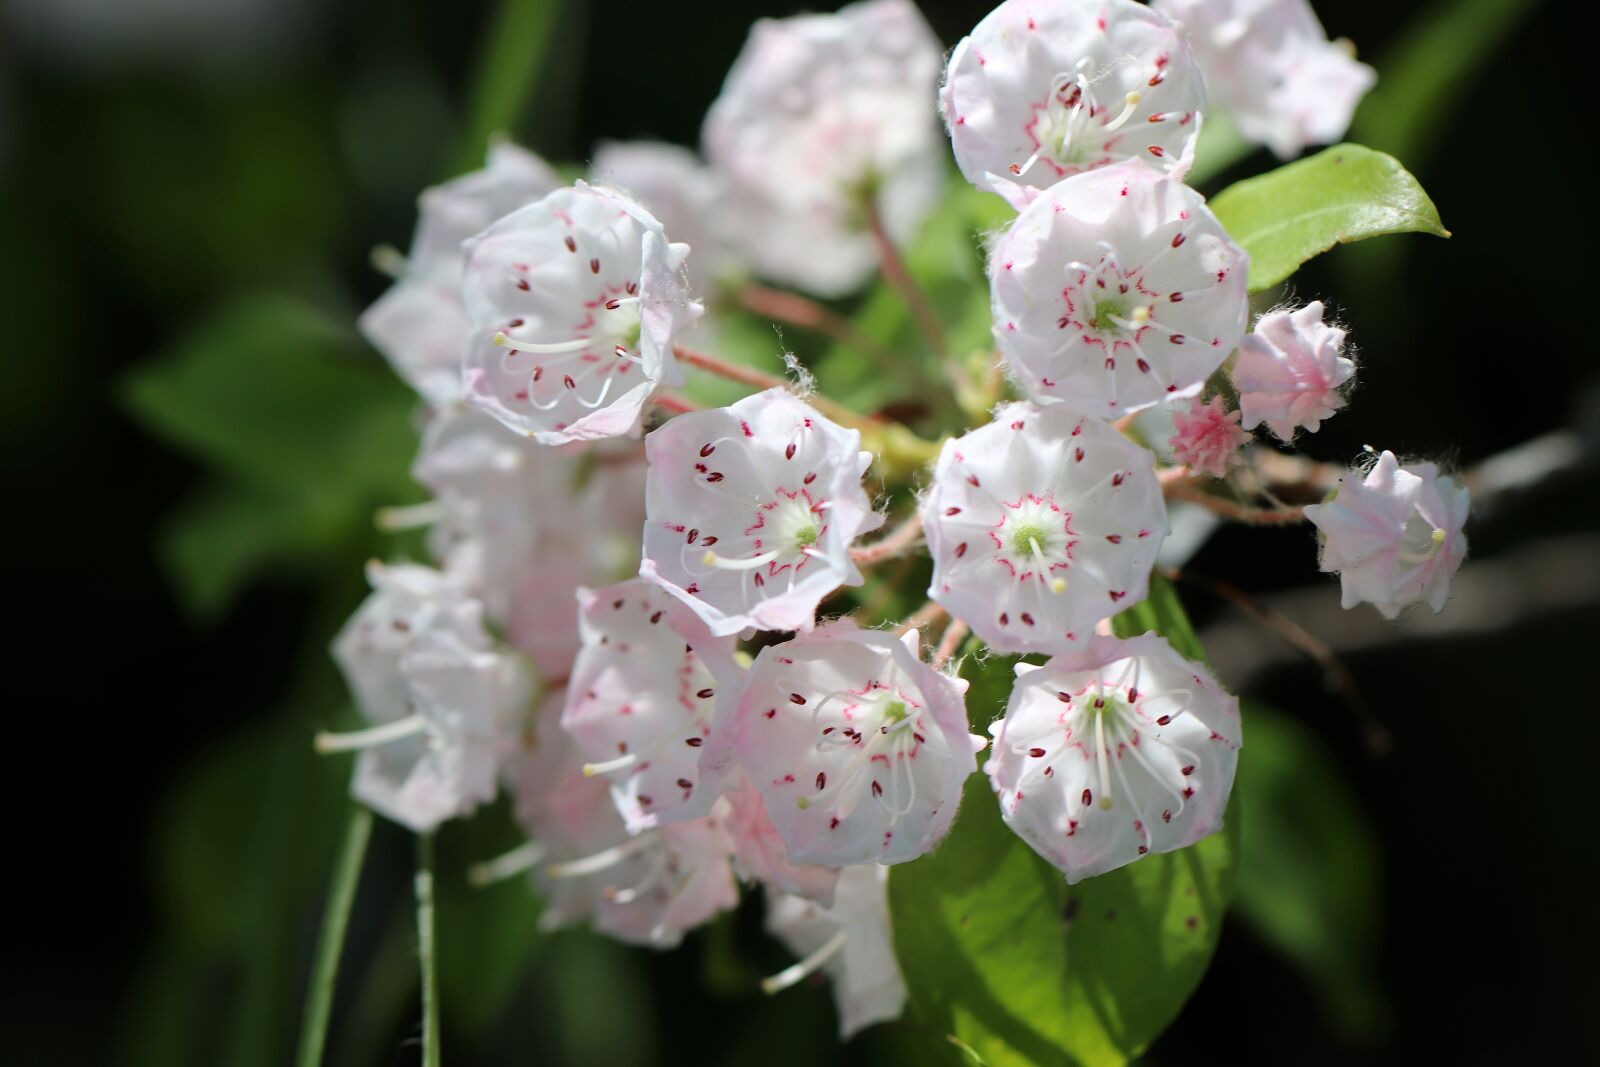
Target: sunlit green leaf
{"points": [[1001, 953], [1345, 193]]}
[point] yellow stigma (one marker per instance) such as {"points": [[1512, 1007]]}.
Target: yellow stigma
{"points": [[1141, 314], [1058, 585], [709, 559], [1105, 803], [802, 803], [1131, 99]]}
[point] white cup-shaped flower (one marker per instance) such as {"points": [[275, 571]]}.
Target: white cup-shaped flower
{"points": [[1041, 524], [1270, 65], [1394, 534], [1044, 89], [1114, 750], [823, 118], [751, 511], [420, 324], [859, 748], [641, 701], [1115, 290], [685, 195], [574, 302], [438, 693], [850, 941], [1292, 371]]}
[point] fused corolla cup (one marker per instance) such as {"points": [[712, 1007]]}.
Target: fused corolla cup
{"points": [[759, 854], [1292, 371], [641, 701], [1270, 65], [822, 120], [849, 941], [1041, 524], [1393, 534], [420, 324], [428, 677], [1115, 290], [1208, 437], [1114, 750], [1044, 89], [751, 511], [574, 302], [858, 747]]}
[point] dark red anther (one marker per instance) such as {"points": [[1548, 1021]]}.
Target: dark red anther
{"points": [[694, 742], [877, 788], [961, 550], [714, 476], [822, 779], [706, 694], [952, 511], [1035, 752], [1178, 240], [572, 246], [655, 618], [567, 380], [796, 698], [1186, 771], [788, 452], [706, 450], [692, 536], [594, 266], [1088, 798]]}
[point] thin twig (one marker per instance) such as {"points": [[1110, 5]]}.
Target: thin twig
{"points": [[897, 542], [1190, 492], [954, 634], [929, 613], [675, 403], [1378, 739], [426, 951], [899, 279], [735, 372]]}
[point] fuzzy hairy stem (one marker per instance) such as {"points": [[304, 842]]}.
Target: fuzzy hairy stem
{"points": [[900, 541]]}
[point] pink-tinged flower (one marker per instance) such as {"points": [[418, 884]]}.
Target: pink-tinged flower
{"points": [[818, 114], [648, 889], [751, 511], [522, 526], [427, 676], [759, 854], [1114, 750], [858, 747], [1044, 89], [1041, 524], [574, 303], [420, 325], [1292, 371], [680, 191], [641, 699], [1208, 438], [1393, 534], [1115, 290], [1270, 65], [850, 942]]}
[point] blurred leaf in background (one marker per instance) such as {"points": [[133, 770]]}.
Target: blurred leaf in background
{"points": [[1309, 883]]}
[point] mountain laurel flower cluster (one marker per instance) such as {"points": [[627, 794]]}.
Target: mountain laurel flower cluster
{"points": [[657, 606]]}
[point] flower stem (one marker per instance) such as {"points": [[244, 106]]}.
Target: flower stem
{"points": [[330, 942], [899, 279], [425, 951], [930, 612], [796, 310], [1252, 516], [897, 542], [953, 636], [515, 46]]}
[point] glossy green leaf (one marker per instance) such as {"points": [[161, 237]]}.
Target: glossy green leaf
{"points": [[1345, 193], [1308, 880], [1001, 954]]}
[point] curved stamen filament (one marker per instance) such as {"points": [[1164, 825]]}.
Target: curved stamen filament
{"points": [[652, 877], [725, 563], [327, 742], [813, 963], [602, 860], [524, 857], [607, 766]]}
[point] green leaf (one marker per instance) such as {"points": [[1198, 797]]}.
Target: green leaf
{"points": [[515, 45], [1345, 193], [268, 390], [1308, 872], [1162, 612], [1001, 954]]}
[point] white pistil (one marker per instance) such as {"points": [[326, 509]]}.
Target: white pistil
{"points": [[505, 340], [1101, 755], [711, 559], [600, 861], [410, 516], [1055, 585], [524, 857], [326, 742], [799, 972], [607, 766]]}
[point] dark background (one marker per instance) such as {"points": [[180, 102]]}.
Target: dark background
{"points": [[157, 159]]}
